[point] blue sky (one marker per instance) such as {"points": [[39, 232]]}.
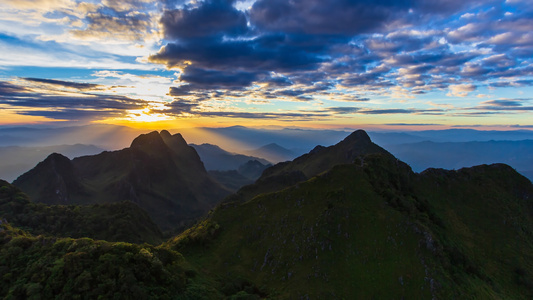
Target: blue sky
{"points": [[337, 63]]}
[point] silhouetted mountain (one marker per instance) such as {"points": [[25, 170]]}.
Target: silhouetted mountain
{"points": [[317, 161], [253, 169], [122, 221], [216, 158], [361, 224], [244, 175], [273, 152], [159, 172]]}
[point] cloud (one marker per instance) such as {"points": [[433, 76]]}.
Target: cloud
{"points": [[461, 90], [122, 25], [212, 17], [68, 84], [343, 110], [340, 17], [210, 79], [400, 111], [39, 101], [503, 103]]}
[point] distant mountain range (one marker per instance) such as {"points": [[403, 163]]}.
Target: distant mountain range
{"points": [[423, 155], [216, 158], [274, 153]]}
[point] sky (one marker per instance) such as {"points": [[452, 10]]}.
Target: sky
{"points": [[409, 64]]}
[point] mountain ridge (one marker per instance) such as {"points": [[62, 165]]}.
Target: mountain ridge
{"points": [[159, 172]]}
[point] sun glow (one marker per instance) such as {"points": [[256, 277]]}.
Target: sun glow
{"points": [[146, 115]]}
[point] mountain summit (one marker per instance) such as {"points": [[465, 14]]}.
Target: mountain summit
{"points": [[159, 172], [317, 161]]}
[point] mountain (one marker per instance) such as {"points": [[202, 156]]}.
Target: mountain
{"points": [[159, 172], [216, 158], [122, 221], [246, 174], [448, 135], [17, 160], [317, 161], [252, 169], [232, 180], [362, 224], [237, 138], [273, 152], [423, 155], [348, 221]]}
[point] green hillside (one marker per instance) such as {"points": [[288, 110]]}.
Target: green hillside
{"points": [[123, 221], [38, 267], [376, 230]]}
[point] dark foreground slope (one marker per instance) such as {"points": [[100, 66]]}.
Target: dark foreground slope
{"points": [[374, 229], [122, 221], [39, 267], [159, 172]]}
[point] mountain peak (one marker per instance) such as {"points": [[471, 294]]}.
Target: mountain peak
{"points": [[165, 134], [358, 136], [152, 138]]}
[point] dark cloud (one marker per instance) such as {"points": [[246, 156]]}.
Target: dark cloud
{"points": [[69, 84], [56, 105], [177, 108], [212, 17], [343, 110], [505, 103], [400, 111], [302, 50], [212, 78], [72, 114], [342, 17], [412, 124], [260, 54]]}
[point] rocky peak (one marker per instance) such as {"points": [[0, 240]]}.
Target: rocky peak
{"points": [[149, 139]]}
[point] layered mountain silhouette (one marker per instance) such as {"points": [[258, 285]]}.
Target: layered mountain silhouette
{"points": [[159, 172], [216, 158], [273, 152], [318, 160], [349, 221]]}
